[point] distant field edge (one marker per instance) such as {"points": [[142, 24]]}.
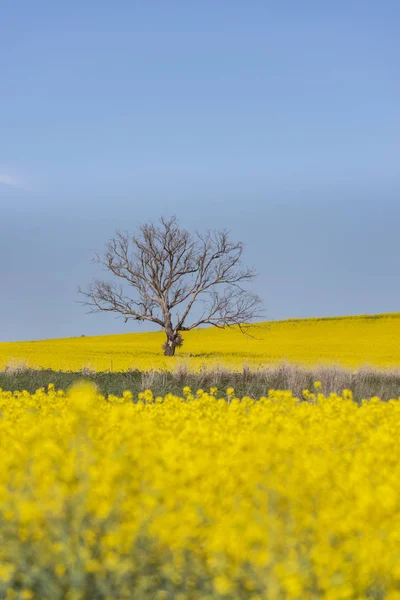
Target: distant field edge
{"points": [[388, 315]]}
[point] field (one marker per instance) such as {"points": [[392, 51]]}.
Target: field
{"points": [[202, 496], [350, 341], [158, 479]]}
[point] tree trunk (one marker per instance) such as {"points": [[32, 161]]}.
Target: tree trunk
{"points": [[172, 337], [170, 345]]}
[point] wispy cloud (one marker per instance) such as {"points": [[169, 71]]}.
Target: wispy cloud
{"points": [[8, 180], [13, 181]]}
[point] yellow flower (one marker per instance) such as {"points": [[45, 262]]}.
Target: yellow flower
{"points": [[92, 566], [60, 570], [6, 571], [200, 493], [223, 584], [350, 341]]}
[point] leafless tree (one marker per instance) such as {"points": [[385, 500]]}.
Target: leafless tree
{"points": [[170, 271]]}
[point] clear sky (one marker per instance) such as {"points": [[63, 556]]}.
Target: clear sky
{"points": [[277, 120]]}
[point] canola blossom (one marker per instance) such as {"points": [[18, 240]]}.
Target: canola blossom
{"points": [[204, 496], [349, 341]]}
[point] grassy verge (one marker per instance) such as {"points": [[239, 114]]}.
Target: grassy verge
{"points": [[364, 383]]}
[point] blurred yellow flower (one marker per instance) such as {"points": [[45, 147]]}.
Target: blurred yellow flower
{"points": [[216, 498]]}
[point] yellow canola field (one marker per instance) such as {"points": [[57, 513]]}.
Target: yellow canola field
{"points": [[351, 341], [198, 498]]}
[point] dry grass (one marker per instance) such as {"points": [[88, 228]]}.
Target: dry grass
{"points": [[16, 366], [363, 382]]}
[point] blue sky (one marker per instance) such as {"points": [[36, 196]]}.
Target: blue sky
{"points": [[280, 121]]}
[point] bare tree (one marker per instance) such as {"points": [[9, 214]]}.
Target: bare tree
{"points": [[170, 272]]}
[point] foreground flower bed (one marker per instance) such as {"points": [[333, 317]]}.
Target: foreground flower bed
{"points": [[198, 497]]}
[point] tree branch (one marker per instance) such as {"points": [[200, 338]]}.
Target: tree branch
{"points": [[163, 267]]}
